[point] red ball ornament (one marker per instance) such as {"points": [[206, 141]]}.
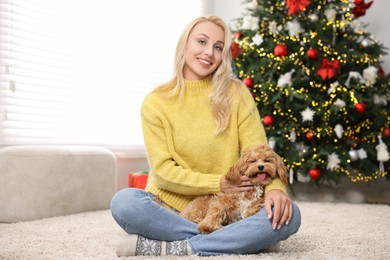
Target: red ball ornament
{"points": [[280, 50], [360, 107], [309, 136], [268, 120], [386, 132], [248, 82], [315, 173], [235, 50], [312, 54]]}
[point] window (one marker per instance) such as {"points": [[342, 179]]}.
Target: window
{"points": [[76, 71]]}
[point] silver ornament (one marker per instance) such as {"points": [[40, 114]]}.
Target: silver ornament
{"points": [[293, 136], [338, 130], [272, 142], [313, 17], [353, 154], [365, 43]]}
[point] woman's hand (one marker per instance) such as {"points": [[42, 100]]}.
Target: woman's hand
{"points": [[283, 209], [228, 187]]}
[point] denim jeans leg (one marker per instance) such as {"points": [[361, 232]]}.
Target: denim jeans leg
{"points": [[137, 213], [246, 236]]}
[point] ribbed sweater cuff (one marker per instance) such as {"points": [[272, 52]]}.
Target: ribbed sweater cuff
{"points": [[276, 184]]}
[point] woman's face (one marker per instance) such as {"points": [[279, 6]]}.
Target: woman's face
{"points": [[203, 50]]}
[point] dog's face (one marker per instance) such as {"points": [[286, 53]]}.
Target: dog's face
{"points": [[260, 164]]}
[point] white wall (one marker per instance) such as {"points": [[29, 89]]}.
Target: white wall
{"points": [[377, 17]]}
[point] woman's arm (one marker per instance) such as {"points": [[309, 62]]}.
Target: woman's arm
{"points": [[276, 194]]}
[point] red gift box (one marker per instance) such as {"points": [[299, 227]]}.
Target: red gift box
{"points": [[138, 179]]}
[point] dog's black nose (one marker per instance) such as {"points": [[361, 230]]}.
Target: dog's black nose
{"points": [[260, 167]]}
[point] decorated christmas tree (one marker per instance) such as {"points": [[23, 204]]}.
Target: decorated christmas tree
{"points": [[316, 76]]}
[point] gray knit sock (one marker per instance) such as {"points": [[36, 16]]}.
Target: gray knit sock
{"points": [[179, 248], [134, 245]]}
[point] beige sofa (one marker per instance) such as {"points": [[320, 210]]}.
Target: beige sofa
{"points": [[46, 181]]}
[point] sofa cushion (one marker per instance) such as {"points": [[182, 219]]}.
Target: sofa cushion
{"points": [[46, 181]]}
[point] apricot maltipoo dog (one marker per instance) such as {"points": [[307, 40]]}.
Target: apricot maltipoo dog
{"points": [[261, 165]]}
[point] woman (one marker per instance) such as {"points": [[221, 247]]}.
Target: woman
{"points": [[195, 127]]}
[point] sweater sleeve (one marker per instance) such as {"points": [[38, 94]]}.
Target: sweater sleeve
{"points": [[168, 171], [250, 129], [252, 132]]}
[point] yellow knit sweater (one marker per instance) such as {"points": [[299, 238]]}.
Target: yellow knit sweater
{"points": [[185, 156]]}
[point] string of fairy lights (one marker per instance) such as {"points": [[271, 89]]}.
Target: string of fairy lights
{"points": [[297, 59]]}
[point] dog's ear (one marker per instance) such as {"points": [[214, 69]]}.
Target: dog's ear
{"points": [[281, 169], [234, 173]]}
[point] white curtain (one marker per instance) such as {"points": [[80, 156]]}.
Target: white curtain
{"points": [[76, 71]]}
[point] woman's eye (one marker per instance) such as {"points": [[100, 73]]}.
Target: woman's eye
{"points": [[219, 48], [203, 42]]}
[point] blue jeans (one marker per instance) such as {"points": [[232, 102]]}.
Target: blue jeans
{"points": [[137, 213]]}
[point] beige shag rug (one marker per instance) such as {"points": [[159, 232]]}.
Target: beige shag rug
{"points": [[328, 231]]}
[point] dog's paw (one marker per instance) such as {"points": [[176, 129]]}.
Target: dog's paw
{"points": [[206, 228], [196, 218]]}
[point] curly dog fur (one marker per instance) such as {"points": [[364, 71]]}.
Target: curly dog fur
{"points": [[261, 165]]}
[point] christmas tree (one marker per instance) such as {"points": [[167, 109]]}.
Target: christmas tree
{"points": [[316, 76]]}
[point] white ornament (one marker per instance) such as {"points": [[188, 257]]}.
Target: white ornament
{"points": [[294, 28], [369, 75], [307, 114], [273, 27], [333, 161], [357, 26], [339, 130], [340, 103], [362, 154], [313, 17], [293, 136], [330, 14], [257, 39], [380, 100], [285, 79], [271, 142], [250, 23], [365, 42], [353, 154], [291, 176], [253, 5], [356, 75], [333, 86], [382, 154]]}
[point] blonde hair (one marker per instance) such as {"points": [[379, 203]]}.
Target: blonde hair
{"points": [[224, 84]]}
